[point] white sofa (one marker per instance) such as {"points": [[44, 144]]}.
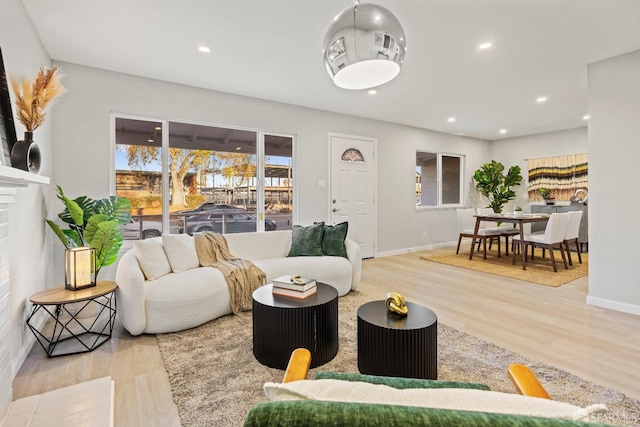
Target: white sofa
{"points": [[178, 301]]}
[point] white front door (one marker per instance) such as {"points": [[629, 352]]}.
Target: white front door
{"points": [[352, 196]]}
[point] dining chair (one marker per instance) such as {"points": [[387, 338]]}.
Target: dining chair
{"points": [[466, 226], [505, 229], [553, 236], [572, 233]]}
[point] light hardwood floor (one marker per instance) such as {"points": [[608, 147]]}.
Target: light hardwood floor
{"points": [[553, 325]]}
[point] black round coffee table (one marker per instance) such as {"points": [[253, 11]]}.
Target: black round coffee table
{"points": [[397, 346], [282, 324]]}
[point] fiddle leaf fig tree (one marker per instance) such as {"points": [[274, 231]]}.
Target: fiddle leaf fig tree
{"points": [[94, 223], [492, 183]]}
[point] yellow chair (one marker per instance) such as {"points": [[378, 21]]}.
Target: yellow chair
{"points": [[522, 378], [298, 366], [526, 382], [320, 412]]}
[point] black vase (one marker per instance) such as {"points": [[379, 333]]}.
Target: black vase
{"points": [[25, 154]]}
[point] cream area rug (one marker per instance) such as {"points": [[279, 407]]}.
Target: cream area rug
{"points": [[539, 270], [215, 379]]}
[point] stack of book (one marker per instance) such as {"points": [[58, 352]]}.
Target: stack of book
{"points": [[294, 286]]}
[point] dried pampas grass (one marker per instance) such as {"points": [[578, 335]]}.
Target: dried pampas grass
{"points": [[33, 97]]}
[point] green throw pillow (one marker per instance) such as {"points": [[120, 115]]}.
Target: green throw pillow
{"points": [[333, 239], [307, 241], [397, 382]]}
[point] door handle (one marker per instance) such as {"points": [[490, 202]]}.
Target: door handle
{"points": [[335, 210]]}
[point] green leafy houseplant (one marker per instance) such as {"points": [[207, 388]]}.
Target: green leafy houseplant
{"points": [[492, 183], [543, 192], [94, 223]]}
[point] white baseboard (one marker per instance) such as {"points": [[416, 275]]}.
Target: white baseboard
{"points": [[613, 305], [415, 249]]}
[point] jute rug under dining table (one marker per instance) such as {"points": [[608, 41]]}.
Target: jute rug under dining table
{"points": [[539, 270], [215, 379]]}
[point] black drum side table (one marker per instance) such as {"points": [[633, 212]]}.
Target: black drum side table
{"points": [[79, 321], [397, 346], [282, 324]]}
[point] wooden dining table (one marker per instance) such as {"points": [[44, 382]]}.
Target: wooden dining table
{"points": [[508, 218]]}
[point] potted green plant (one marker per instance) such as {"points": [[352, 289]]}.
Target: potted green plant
{"points": [[517, 211], [546, 195], [492, 183], [94, 223]]}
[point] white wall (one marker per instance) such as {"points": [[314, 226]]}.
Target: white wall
{"points": [[516, 151], [614, 150], [82, 123], [30, 243]]}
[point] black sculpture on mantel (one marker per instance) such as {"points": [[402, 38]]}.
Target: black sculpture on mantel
{"points": [[25, 154]]}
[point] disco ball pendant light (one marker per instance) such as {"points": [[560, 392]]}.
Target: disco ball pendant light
{"points": [[364, 47]]}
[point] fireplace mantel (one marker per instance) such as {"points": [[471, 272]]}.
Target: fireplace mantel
{"points": [[12, 177], [10, 180]]}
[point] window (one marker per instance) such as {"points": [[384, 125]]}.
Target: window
{"points": [[211, 175], [139, 175], [439, 179], [278, 182]]}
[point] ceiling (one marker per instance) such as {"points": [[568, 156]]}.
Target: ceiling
{"points": [[272, 49]]}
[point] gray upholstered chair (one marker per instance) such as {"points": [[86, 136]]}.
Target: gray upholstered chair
{"points": [[572, 233], [553, 237], [506, 229], [466, 226]]}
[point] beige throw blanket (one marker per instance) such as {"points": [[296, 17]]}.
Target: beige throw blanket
{"points": [[242, 276]]}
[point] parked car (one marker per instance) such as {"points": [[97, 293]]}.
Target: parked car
{"points": [[209, 207], [150, 228], [203, 211], [235, 222]]}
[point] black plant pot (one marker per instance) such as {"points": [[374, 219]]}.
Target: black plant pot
{"points": [[25, 154]]}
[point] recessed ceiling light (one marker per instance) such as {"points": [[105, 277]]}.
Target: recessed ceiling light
{"points": [[204, 49], [585, 117], [158, 128], [451, 119], [485, 45], [150, 140], [238, 148], [541, 99], [372, 92], [503, 131]]}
